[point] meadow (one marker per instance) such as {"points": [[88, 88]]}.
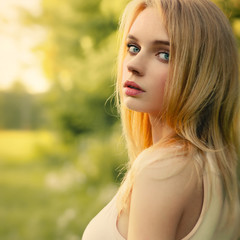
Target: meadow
{"points": [[46, 187]]}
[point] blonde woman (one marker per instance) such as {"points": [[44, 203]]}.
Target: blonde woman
{"points": [[178, 95]]}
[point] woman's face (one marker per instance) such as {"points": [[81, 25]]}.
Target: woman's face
{"points": [[146, 65]]}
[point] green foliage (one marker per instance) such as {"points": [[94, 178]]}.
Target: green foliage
{"points": [[27, 145], [232, 10], [21, 110], [230, 7]]}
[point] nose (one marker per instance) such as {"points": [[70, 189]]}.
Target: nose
{"points": [[136, 66]]}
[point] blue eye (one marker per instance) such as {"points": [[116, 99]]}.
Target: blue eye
{"points": [[164, 56], [133, 49]]}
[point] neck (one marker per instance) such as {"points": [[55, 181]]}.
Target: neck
{"points": [[160, 130]]}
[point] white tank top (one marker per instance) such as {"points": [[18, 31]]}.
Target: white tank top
{"points": [[208, 227]]}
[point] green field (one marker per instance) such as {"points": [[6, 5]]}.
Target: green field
{"points": [[22, 146], [46, 187]]}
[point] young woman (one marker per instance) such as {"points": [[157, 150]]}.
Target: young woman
{"points": [[178, 95]]}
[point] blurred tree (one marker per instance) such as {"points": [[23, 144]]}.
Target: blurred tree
{"points": [[230, 7], [20, 109], [232, 10], [79, 58]]}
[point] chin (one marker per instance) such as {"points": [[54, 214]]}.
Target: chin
{"points": [[137, 107], [134, 105]]}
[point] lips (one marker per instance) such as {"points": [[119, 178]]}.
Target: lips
{"points": [[132, 89], [133, 85]]}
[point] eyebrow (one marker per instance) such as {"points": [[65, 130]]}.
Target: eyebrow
{"points": [[156, 42]]}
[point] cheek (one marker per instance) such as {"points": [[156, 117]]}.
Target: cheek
{"points": [[162, 82], [124, 71]]}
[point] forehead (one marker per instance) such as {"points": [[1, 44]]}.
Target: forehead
{"points": [[149, 24]]}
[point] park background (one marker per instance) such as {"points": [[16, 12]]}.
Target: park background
{"points": [[62, 153]]}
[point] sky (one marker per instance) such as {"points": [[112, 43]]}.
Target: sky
{"points": [[17, 60]]}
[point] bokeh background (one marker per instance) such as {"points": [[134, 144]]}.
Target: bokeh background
{"points": [[61, 148]]}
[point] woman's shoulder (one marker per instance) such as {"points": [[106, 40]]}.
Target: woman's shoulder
{"points": [[166, 164], [160, 193], [162, 163]]}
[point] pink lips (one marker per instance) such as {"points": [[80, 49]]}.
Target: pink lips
{"points": [[132, 89]]}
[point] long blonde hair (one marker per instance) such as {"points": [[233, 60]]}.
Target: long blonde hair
{"points": [[201, 98]]}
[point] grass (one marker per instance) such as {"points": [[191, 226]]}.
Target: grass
{"points": [[22, 146], [44, 188]]}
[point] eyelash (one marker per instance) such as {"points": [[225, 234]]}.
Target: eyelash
{"points": [[166, 60], [129, 45]]}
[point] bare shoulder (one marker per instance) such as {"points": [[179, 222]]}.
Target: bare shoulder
{"points": [[160, 194]]}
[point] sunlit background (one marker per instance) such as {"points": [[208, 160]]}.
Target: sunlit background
{"points": [[17, 60], [61, 148]]}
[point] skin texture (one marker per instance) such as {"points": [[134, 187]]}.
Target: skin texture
{"points": [[160, 209]]}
